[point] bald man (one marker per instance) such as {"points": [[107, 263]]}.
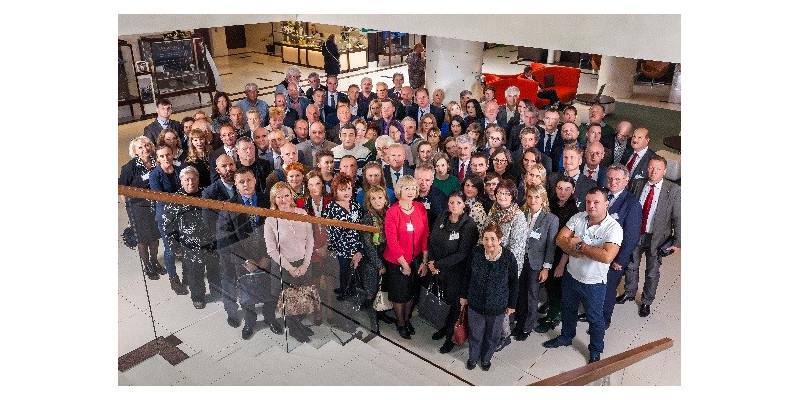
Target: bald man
{"points": [[288, 155]]}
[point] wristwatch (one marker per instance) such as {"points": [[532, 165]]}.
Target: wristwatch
{"points": [[578, 246]]}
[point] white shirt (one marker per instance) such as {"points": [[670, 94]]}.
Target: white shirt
{"points": [[584, 269], [653, 205]]}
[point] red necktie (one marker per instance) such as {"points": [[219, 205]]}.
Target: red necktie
{"points": [[632, 161], [591, 172], [648, 202], [461, 172]]}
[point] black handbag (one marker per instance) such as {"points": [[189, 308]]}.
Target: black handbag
{"points": [[662, 248], [431, 306], [129, 238]]}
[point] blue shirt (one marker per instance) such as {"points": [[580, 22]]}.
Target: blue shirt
{"points": [[261, 106]]}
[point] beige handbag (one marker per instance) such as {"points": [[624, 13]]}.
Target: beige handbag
{"points": [[381, 302], [298, 301]]}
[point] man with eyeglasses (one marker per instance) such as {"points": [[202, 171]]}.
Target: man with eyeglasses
{"points": [[292, 76], [593, 135], [592, 167], [382, 144]]}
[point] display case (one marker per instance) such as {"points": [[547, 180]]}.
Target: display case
{"points": [[300, 48], [176, 66], [130, 101], [394, 44]]}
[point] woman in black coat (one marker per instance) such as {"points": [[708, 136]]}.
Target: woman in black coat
{"points": [[490, 292], [331, 53], [141, 212], [451, 241]]}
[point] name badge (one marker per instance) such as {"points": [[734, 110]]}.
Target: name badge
{"points": [[146, 176], [615, 216], [535, 235], [638, 176], [427, 205], [454, 236], [578, 204], [176, 163], [410, 227]]}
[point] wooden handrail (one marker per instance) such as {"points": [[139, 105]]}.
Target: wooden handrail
{"points": [[589, 373], [228, 206]]}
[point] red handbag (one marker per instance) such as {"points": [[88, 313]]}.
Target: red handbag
{"points": [[460, 328]]}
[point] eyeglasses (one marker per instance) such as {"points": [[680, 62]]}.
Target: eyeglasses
{"points": [[500, 160], [496, 139], [502, 193], [615, 179]]}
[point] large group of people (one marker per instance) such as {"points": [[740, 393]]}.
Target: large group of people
{"points": [[484, 199]]}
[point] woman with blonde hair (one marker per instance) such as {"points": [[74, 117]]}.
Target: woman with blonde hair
{"points": [[197, 155]]}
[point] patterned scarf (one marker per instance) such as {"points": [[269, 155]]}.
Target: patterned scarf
{"points": [[499, 215], [140, 163]]}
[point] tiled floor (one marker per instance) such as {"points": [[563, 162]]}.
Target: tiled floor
{"points": [[218, 355]]}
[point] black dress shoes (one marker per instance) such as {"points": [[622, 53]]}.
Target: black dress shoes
{"points": [[503, 343], [410, 328], [247, 332], [159, 268], [403, 332], [385, 318], [644, 310], [447, 347], [439, 334], [582, 317], [275, 326], [471, 364], [544, 308], [556, 342], [621, 299], [594, 357], [486, 366], [522, 336], [199, 304], [234, 322]]}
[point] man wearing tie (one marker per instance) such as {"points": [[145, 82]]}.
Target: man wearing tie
{"points": [[423, 107], [244, 260], [661, 217], [460, 166], [622, 140], [624, 207], [397, 165], [332, 95], [228, 137], [638, 155], [550, 134], [397, 90]]}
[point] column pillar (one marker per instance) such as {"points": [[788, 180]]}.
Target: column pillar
{"points": [[551, 56], [675, 91], [452, 65], [617, 74]]}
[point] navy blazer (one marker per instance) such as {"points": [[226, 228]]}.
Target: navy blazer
{"points": [[237, 239], [582, 186], [161, 182], [215, 191], [438, 113], [387, 174], [557, 143], [154, 129], [455, 165], [628, 212]]}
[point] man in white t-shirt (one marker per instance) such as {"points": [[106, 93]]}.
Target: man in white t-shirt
{"points": [[591, 239]]}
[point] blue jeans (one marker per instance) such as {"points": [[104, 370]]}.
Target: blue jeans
{"points": [[169, 256], [593, 297]]}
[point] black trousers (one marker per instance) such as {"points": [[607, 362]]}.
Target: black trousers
{"points": [[528, 299], [548, 94]]}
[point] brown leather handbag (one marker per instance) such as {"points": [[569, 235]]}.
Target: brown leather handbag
{"points": [[298, 301], [460, 328]]}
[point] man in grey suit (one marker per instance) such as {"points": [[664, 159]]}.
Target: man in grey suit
{"points": [[307, 151], [539, 254], [637, 156], [661, 217]]}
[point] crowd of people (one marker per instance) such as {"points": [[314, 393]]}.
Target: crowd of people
{"points": [[484, 199]]}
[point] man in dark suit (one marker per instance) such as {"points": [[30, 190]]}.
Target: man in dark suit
{"points": [[490, 111], [552, 141], [529, 120], [397, 165], [591, 163], [222, 189], [569, 136], [625, 208], [594, 135], [661, 218], [510, 114], [597, 113], [163, 121], [295, 101], [434, 200], [571, 159], [365, 96], [260, 167], [332, 95], [459, 167], [638, 155], [244, 260], [343, 117], [396, 92], [387, 116], [228, 137], [423, 107], [382, 91], [313, 82]]}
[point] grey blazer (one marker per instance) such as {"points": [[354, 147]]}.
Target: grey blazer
{"points": [[542, 249], [667, 217]]}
